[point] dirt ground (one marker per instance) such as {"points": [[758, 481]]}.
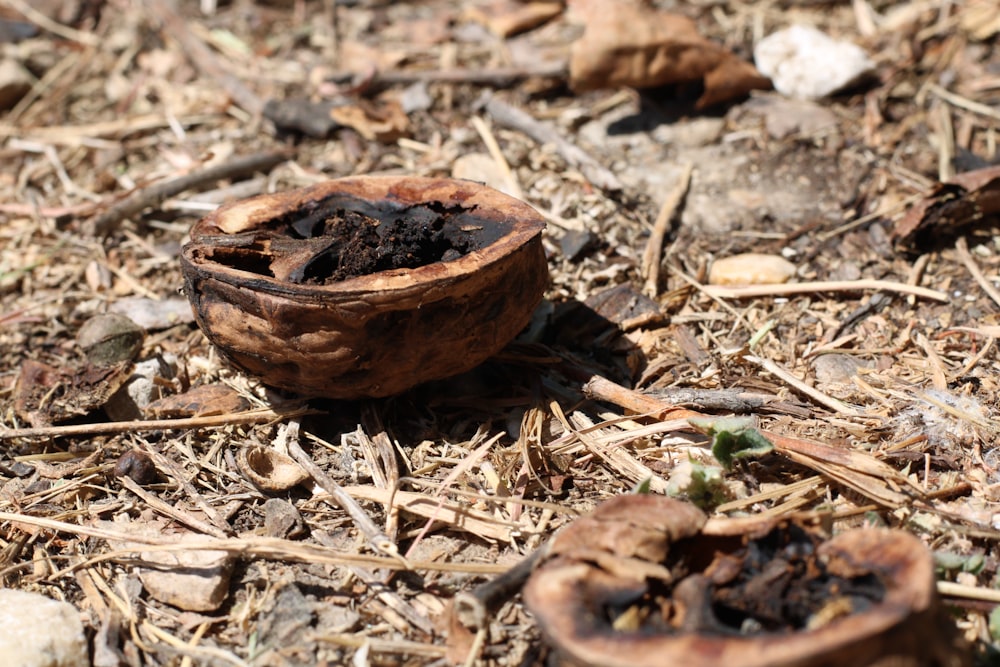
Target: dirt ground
{"points": [[140, 117]]}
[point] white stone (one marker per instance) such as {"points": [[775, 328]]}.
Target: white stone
{"points": [[40, 632], [804, 63]]}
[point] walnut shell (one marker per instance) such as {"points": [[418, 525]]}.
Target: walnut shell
{"points": [[631, 548], [369, 335]]}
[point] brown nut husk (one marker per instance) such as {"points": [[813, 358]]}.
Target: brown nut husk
{"points": [[644, 581], [267, 287]]}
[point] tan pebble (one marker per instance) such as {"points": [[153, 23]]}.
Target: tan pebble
{"points": [[751, 269]]}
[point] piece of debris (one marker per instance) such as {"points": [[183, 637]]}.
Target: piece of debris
{"points": [[189, 579], [804, 63], [949, 209]]}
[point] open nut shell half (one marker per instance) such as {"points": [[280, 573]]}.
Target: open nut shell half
{"points": [[601, 563], [370, 335]]}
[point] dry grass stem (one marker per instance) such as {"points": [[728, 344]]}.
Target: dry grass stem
{"points": [[787, 289]]}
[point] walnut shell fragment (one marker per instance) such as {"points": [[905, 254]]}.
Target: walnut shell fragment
{"points": [[669, 589], [271, 284]]}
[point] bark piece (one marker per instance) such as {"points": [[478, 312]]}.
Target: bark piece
{"points": [[45, 395], [950, 209], [368, 335]]}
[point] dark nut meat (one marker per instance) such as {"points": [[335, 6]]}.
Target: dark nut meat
{"points": [[365, 286]]}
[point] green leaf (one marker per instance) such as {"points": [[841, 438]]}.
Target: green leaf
{"points": [[701, 484], [643, 486], [733, 438], [994, 624]]}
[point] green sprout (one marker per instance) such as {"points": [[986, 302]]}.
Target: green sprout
{"points": [[733, 438]]}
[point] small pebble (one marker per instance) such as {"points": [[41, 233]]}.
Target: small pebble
{"points": [[137, 466], [109, 339], [282, 520], [751, 269]]}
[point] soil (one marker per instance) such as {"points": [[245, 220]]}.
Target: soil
{"points": [[357, 245], [335, 243]]}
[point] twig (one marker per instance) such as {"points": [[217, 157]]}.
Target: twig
{"points": [[509, 116], [203, 57], [497, 154], [111, 428], [963, 254], [654, 247], [951, 589], [56, 28], [800, 386], [498, 77], [378, 539], [174, 513], [962, 103], [159, 192], [754, 291]]}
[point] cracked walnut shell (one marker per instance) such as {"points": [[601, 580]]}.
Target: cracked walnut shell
{"points": [[365, 286]]}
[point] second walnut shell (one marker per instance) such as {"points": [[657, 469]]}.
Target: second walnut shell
{"points": [[368, 335]]}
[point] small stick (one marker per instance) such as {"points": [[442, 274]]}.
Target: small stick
{"points": [[962, 102], [111, 428], [653, 255], [157, 193], [56, 28], [378, 539], [854, 470], [499, 77], [497, 154], [174, 513], [509, 116], [472, 609], [962, 246], [800, 386], [754, 291]]}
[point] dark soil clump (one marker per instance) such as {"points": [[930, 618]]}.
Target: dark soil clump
{"points": [[330, 241], [359, 245]]}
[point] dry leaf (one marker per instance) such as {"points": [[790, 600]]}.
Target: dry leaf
{"points": [[208, 399], [633, 44], [505, 18], [386, 122]]}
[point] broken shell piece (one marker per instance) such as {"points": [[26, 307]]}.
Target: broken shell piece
{"points": [[270, 470], [644, 581], [269, 282], [750, 269]]}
